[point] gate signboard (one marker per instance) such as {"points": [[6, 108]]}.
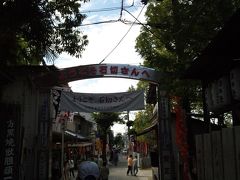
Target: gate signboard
{"points": [[97, 71]]}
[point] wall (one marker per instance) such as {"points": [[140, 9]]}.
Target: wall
{"points": [[218, 155], [23, 93]]}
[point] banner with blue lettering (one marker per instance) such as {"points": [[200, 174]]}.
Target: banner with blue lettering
{"points": [[108, 102]]}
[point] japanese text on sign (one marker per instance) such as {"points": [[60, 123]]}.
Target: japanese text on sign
{"points": [[8, 170], [107, 70]]}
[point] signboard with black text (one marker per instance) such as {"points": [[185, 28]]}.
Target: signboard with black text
{"points": [[43, 136], [10, 150]]}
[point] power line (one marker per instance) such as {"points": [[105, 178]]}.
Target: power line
{"points": [[122, 38], [108, 9], [121, 10], [144, 25], [100, 22]]}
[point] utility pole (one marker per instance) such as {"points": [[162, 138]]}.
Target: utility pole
{"points": [[128, 126], [62, 149]]}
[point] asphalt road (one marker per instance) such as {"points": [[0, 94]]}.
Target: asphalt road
{"points": [[119, 172]]}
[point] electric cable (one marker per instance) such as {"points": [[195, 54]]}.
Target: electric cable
{"points": [[121, 10], [108, 9], [122, 38], [100, 22], [144, 25]]}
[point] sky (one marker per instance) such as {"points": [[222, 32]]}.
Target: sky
{"points": [[103, 38]]}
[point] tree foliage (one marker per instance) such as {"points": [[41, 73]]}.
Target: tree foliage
{"points": [[118, 141], [142, 121], [142, 118], [104, 121], [176, 33], [33, 29]]}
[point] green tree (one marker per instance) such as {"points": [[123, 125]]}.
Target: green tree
{"points": [[176, 33], [143, 120], [32, 30], [104, 121], [118, 141]]}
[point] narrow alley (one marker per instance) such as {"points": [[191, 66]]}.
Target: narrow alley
{"points": [[119, 172]]}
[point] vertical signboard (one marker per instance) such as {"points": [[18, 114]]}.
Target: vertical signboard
{"points": [[165, 145], [9, 151], [43, 136]]}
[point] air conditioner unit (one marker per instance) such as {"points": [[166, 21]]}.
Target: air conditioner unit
{"points": [[235, 83]]}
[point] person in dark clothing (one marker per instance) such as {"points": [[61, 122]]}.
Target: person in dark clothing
{"points": [[104, 171], [56, 172], [115, 157]]}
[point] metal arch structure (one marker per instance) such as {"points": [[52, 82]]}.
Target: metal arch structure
{"points": [[63, 76]]}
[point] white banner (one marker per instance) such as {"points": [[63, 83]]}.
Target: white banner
{"points": [[111, 102]]}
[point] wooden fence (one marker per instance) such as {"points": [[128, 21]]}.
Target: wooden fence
{"points": [[218, 155]]}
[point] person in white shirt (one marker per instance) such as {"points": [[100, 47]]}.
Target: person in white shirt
{"points": [[71, 167], [135, 166]]}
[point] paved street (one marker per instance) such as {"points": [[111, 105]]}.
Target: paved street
{"points": [[119, 172]]}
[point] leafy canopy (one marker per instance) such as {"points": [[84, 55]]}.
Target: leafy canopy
{"points": [[107, 119], [33, 29], [118, 141], [176, 33]]}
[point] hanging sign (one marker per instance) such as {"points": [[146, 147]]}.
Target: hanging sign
{"points": [[111, 102]]}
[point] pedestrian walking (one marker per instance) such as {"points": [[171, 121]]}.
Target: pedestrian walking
{"points": [[100, 161], [130, 164], [66, 171], [56, 170], [104, 171], [115, 157], [135, 166], [71, 167]]}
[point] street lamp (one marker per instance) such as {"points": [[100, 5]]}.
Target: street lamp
{"points": [[63, 119]]}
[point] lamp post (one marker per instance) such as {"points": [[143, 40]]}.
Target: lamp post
{"points": [[62, 149], [64, 119]]}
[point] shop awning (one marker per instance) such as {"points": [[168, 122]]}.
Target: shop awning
{"points": [[69, 136], [79, 145], [78, 136]]}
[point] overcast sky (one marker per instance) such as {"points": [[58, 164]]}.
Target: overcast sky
{"points": [[103, 38]]}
